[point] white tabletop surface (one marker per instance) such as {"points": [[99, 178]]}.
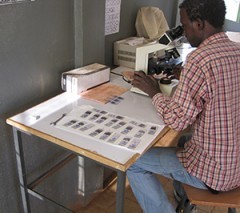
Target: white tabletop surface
{"points": [[134, 105]]}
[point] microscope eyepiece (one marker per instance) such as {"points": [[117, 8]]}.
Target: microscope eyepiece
{"points": [[171, 35]]}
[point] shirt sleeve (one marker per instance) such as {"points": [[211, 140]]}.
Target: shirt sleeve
{"points": [[181, 110]]}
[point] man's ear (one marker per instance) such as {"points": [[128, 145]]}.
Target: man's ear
{"points": [[199, 24]]}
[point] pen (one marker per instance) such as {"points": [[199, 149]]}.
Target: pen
{"points": [[55, 122]]}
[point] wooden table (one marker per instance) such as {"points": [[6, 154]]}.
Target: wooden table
{"points": [[35, 121]]}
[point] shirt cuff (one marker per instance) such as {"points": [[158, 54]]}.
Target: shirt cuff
{"points": [[157, 97]]}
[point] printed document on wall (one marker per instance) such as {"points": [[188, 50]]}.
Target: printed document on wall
{"points": [[112, 16], [3, 2]]}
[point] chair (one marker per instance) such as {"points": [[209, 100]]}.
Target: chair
{"points": [[194, 197]]}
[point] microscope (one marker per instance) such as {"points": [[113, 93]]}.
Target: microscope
{"points": [[170, 59], [171, 35], [163, 67], [158, 58]]}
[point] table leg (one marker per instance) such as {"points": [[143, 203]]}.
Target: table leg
{"points": [[21, 169], [121, 181]]}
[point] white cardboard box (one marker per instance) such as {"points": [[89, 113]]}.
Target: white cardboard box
{"points": [[84, 78]]}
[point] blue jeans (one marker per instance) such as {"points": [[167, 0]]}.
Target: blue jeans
{"points": [[146, 186]]}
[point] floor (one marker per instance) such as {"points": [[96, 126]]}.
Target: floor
{"points": [[105, 202]]}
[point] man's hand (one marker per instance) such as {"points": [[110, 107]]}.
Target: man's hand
{"points": [[146, 83]]}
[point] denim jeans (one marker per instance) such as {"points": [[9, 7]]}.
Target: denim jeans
{"points": [[146, 186]]}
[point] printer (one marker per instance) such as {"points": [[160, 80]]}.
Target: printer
{"points": [[134, 52]]}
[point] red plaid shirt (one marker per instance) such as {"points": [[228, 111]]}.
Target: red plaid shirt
{"points": [[208, 98]]}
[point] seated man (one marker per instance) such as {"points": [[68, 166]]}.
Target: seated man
{"points": [[208, 98]]}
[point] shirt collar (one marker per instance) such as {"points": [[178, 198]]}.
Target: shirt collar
{"points": [[215, 38]]}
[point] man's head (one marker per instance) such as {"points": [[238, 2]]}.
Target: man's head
{"points": [[202, 18]]}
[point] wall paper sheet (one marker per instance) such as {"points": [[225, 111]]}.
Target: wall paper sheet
{"points": [[112, 16], [4, 2]]}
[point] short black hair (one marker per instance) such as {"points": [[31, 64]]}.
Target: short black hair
{"points": [[212, 11]]}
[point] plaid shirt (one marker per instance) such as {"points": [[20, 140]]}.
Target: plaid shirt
{"points": [[208, 98]]}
